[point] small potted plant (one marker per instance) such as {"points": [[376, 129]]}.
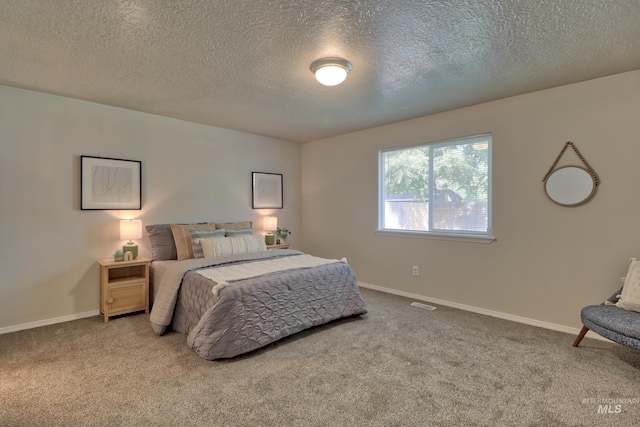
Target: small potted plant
{"points": [[118, 256], [282, 233]]}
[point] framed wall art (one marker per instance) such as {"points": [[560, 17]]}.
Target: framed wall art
{"points": [[110, 184], [267, 190]]}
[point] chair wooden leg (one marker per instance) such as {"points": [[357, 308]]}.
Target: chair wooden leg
{"points": [[581, 335]]}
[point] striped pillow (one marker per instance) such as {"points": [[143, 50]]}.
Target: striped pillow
{"points": [[243, 244], [235, 225], [231, 233], [182, 236], [196, 235]]}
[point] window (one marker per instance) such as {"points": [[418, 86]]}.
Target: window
{"points": [[438, 188]]}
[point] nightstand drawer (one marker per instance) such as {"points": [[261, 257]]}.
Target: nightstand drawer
{"points": [[126, 297]]}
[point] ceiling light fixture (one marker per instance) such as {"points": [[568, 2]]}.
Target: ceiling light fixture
{"points": [[330, 71]]}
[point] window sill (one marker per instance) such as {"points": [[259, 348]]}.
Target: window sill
{"points": [[457, 237]]}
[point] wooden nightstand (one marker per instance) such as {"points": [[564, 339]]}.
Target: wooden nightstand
{"points": [[124, 286], [280, 246]]}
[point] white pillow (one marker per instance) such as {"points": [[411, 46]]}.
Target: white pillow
{"points": [[244, 244], [630, 298], [196, 235]]}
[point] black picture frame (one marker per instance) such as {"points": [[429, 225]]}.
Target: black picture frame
{"points": [[267, 190], [110, 184]]}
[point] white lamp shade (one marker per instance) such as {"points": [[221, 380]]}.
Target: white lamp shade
{"points": [[270, 223], [130, 229]]}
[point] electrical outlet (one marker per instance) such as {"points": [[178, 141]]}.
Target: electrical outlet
{"points": [[416, 271]]}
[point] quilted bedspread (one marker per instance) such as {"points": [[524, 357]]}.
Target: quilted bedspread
{"points": [[249, 314]]}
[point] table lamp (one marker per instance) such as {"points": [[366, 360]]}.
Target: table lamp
{"points": [[130, 229], [270, 223]]}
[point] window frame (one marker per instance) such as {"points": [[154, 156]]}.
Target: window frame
{"points": [[458, 235]]}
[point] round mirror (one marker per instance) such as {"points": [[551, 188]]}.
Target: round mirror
{"points": [[570, 186]]}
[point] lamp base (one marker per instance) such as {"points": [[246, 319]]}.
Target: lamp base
{"points": [[131, 248], [269, 239]]}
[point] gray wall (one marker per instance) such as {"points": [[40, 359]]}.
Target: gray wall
{"points": [[49, 247], [549, 261]]}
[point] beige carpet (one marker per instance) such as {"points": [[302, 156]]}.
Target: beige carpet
{"points": [[399, 366]]}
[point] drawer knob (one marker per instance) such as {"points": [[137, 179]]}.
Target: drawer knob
{"points": [[109, 300]]}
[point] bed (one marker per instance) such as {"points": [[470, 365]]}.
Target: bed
{"points": [[233, 302]]}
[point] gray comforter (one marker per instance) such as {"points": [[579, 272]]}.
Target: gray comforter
{"points": [[250, 313]]}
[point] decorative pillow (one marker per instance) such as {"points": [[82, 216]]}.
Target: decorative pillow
{"points": [[231, 233], [163, 246], [196, 235], [215, 247], [182, 237], [630, 297], [236, 225], [243, 244]]}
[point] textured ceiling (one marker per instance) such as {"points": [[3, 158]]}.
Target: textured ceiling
{"points": [[244, 64]]}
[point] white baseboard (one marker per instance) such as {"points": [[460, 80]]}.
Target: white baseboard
{"points": [[48, 322], [511, 317]]}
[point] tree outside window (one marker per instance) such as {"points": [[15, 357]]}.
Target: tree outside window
{"points": [[438, 187]]}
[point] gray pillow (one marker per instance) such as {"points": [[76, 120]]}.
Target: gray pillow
{"points": [[242, 225], [163, 246]]}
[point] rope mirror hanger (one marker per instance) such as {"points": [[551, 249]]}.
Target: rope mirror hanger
{"points": [[570, 185]]}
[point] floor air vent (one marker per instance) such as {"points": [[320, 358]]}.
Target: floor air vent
{"points": [[425, 306]]}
